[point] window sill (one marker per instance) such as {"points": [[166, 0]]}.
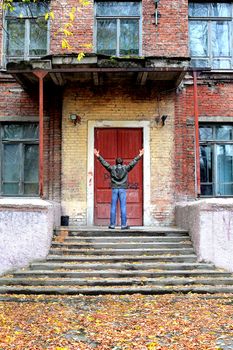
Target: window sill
{"points": [[215, 197]]}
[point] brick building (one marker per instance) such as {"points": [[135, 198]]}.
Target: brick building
{"points": [[158, 75]]}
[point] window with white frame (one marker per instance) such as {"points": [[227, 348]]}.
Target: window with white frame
{"points": [[216, 159], [26, 31], [118, 28], [210, 34], [19, 159]]}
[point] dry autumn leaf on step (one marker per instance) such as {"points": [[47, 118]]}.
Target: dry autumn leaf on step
{"points": [[123, 322]]}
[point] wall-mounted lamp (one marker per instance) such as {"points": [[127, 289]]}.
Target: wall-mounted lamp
{"points": [[163, 118], [160, 120], [74, 118], [156, 14]]}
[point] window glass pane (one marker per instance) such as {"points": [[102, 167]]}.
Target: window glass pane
{"points": [[220, 38], [11, 189], [200, 63], [220, 10], [207, 190], [206, 163], [205, 133], [12, 131], [224, 132], [31, 9], [11, 163], [31, 163], [106, 37], [198, 10], [224, 169], [224, 189], [15, 38], [117, 9], [198, 38], [21, 131], [129, 37], [221, 64], [30, 131], [30, 189], [38, 37]]}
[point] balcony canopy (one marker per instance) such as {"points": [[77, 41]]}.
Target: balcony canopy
{"points": [[101, 70]]}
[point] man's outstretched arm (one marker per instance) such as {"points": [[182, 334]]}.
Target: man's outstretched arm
{"points": [[135, 160], [102, 160]]}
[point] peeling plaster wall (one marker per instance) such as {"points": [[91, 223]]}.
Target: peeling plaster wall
{"points": [[26, 229], [210, 224]]}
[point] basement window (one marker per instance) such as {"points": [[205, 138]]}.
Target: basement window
{"points": [[216, 160], [26, 31], [210, 34], [19, 159], [118, 28]]}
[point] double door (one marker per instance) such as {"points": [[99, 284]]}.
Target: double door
{"points": [[113, 143]]}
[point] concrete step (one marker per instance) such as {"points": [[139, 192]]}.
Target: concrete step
{"points": [[138, 239], [136, 251], [102, 261], [122, 258], [96, 290], [120, 266], [116, 282], [133, 232], [119, 274], [119, 245]]}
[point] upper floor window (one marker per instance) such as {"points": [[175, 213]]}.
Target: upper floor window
{"points": [[19, 159], [216, 160], [118, 28], [26, 34], [210, 32]]}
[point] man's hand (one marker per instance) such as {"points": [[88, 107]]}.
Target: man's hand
{"points": [[141, 152], [97, 153]]}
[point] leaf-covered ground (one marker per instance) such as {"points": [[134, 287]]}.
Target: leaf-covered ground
{"points": [[127, 322]]}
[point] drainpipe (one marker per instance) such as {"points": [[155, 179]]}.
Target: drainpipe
{"points": [[197, 152], [40, 75]]}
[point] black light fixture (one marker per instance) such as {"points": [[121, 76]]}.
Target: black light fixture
{"points": [[74, 118], [156, 2], [160, 120], [163, 118]]}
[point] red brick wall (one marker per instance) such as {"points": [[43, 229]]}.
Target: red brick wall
{"points": [[216, 99], [184, 166], [170, 36], [82, 26]]}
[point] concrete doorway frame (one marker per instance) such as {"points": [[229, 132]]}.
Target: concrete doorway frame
{"points": [[145, 126]]}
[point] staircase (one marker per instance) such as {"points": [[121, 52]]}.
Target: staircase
{"points": [[99, 261]]}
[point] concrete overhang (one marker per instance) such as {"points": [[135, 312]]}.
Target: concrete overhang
{"points": [[101, 70]]}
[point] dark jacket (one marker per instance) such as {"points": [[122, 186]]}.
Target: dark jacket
{"points": [[119, 173]]}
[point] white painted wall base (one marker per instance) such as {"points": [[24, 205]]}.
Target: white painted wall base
{"points": [[26, 229], [210, 224]]}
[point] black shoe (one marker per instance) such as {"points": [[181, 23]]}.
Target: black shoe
{"points": [[125, 227], [111, 227]]}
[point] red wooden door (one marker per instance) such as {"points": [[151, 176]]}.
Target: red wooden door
{"points": [[113, 143]]}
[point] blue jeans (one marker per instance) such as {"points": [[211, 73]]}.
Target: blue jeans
{"points": [[118, 193]]}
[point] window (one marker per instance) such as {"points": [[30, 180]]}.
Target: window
{"points": [[26, 34], [118, 28], [210, 32], [216, 160], [19, 159]]}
